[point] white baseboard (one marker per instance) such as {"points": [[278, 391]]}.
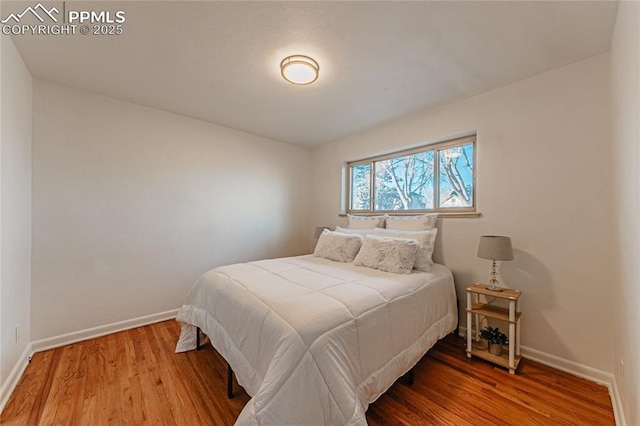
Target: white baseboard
{"points": [[616, 400], [580, 370], [14, 377], [103, 330], [567, 366], [69, 338]]}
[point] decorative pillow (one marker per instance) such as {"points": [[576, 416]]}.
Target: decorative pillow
{"points": [[366, 222], [337, 246], [427, 240], [388, 254], [412, 223]]}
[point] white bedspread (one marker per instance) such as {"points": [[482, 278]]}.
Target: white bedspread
{"points": [[314, 342]]}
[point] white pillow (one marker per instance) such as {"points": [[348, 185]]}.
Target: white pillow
{"points": [[362, 232], [427, 240], [412, 223], [337, 246], [366, 222], [388, 254]]}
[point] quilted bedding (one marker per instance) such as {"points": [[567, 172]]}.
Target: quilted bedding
{"points": [[313, 341]]}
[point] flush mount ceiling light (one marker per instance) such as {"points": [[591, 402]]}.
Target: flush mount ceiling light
{"points": [[299, 69]]}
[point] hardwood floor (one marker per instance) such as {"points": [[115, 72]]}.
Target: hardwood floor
{"points": [[134, 378]]}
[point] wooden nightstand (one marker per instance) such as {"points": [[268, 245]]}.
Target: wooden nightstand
{"points": [[510, 315]]}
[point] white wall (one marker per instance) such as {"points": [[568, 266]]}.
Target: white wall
{"points": [[15, 212], [625, 77], [543, 178], [131, 205]]}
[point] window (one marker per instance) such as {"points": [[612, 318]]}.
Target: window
{"points": [[439, 177]]}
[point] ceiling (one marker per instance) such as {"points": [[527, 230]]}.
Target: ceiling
{"points": [[219, 61]]}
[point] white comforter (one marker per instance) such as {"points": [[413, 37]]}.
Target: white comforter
{"points": [[314, 342]]}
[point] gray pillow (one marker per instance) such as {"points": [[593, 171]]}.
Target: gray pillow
{"points": [[388, 254], [337, 246]]}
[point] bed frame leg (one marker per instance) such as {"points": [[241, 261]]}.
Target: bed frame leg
{"points": [[410, 376], [456, 332], [229, 382], [229, 370]]}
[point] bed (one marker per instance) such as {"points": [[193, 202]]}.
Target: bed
{"points": [[314, 341]]}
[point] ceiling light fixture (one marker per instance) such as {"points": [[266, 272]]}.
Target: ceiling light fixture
{"points": [[299, 69]]}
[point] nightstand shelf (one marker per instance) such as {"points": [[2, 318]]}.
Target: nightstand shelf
{"points": [[493, 311], [510, 315], [479, 349]]}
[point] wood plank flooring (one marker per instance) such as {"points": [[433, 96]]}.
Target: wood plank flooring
{"points": [[134, 378]]}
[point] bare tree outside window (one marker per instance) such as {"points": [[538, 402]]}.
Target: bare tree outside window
{"points": [[440, 177], [405, 183], [360, 187], [456, 177]]}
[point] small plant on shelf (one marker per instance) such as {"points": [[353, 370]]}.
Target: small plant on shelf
{"points": [[495, 339]]}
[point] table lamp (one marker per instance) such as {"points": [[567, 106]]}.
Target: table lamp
{"points": [[494, 247]]}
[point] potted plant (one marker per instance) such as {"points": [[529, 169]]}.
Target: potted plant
{"points": [[495, 339]]}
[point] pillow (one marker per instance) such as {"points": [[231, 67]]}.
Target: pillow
{"points": [[362, 232], [366, 222], [337, 246], [388, 254], [427, 240], [412, 223]]}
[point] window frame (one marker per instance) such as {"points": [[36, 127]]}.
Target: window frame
{"points": [[436, 147]]}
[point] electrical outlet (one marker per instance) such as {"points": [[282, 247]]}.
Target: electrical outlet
{"points": [[622, 368], [18, 333]]}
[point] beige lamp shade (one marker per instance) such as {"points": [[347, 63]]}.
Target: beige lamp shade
{"points": [[494, 247]]}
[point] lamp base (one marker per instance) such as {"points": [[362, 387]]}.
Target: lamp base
{"points": [[493, 281]]}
